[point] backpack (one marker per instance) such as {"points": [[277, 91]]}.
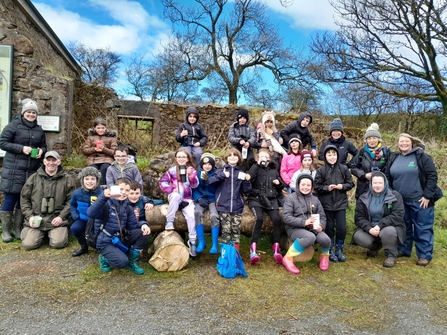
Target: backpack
{"points": [[229, 263], [90, 236]]}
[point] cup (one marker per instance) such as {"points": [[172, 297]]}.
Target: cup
{"points": [[99, 143], [34, 152], [244, 153], [36, 221], [317, 221], [115, 191], [182, 172]]}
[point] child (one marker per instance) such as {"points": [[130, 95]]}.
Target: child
{"points": [[243, 137], [230, 182], [99, 147], [112, 244], [79, 203], [292, 161], [139, 202], [204, 198], [302, 225], [306, 167], [120, 168], [337, 138], [191, 135], [268, 137], [332, 182], [266, 186], [178, 182], [300, 127]]}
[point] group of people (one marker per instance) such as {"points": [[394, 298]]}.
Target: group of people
{"points": [[396, 191]]}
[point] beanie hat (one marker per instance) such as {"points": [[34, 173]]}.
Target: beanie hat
{"points": [[242, 113], [304, 176], [89, 171], [29, 104], [336, 125], [306, 154], [208, 158], [373, 131], [268, 116], [295, 137]]}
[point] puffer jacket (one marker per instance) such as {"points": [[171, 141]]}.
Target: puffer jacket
{"points": [[170, 183], [17, 166], [81, 201], [107, 154], [196, 132], [204, 190], [261, 179], [130, 171], [289, 165], [246, 132], [127, 219], [40, 185], [295, 128]]}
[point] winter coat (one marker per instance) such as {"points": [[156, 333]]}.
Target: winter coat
{"points": [[289, 165], [261, 179], [229, 190], [107, 154], [115, 172], [81, 201], [344, 148], [204, 190], [362, 164], [298, 173], [170, 183], [332, 175], [126, 221], [295, 128], [40, 185], [393, 213], [238, 133], [196, 132], [17, 166], [140, 204], [297, 209]]}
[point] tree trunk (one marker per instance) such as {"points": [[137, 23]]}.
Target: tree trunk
{"points": [[170, 252]]}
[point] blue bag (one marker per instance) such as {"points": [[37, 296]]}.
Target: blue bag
{"points": [[229, 263]]}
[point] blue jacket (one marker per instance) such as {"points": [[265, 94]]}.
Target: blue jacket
{"points": [[229, 190], [205, 190], [81, 200]]}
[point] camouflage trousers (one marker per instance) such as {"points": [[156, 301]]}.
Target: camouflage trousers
{"points": [[231, 227]]}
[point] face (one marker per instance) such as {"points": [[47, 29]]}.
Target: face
{"points": [[305, 186], [295, 145], [100, 129], [51, 165], [207, 167], [336, 134], [269, 124], [331, 157], [192, 118], [124, 190], [90, 182], [242, 120], [405, 145], [232, 159], [181, 158], [372, 141], [30, 115], [378, 184], [307, 162], [134, 195], [305, 122], [264, 157], [121, 157]]}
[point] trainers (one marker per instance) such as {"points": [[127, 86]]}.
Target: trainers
{"points": [[423, 262], [192, 249], [389, 262], [169, 226]]}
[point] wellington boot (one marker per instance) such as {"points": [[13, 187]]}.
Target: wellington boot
{"points": [[6, 218], [276, 253], [201, 245], [17, 224], [134, 256], [290, 266], [324, 262], [104, 265], [339, 250], [83, 248], [254, 257], [294, 250], [214, 240], [236, 245]]}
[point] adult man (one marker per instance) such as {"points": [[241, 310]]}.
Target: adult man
{"points": [[47, 194]]}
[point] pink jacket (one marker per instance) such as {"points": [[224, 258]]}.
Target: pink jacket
{"points": [[289, 165], [169, 183]]}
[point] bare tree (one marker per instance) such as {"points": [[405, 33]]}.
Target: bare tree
{"points": [[138, 74], [99, 66], [395, 46]]}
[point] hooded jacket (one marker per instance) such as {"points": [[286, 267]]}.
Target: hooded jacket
{"points": [[204, 190], [17, 166], [344, 148], [295, 128], [196, 132], [333, 175], [245, 132], [107, 154], [82, 198]]}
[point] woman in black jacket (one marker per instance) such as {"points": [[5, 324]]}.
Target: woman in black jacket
{"points": [[24, 142], [379, 215]]}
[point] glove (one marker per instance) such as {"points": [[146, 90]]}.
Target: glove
{"points": [[183, 204], [203, 203], [204, 175]]}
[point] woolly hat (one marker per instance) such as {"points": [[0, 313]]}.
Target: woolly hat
{"points": [[29, 104], [336, 125], [305, 154], [89, 171], [242, 113], [304, 176], [208, 158], [373, 131], [268, 116], [295, 137]]}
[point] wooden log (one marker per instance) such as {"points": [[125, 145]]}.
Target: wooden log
{"points": [[170, 252]]}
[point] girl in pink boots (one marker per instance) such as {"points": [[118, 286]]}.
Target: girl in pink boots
{"points": [[305, 222]]}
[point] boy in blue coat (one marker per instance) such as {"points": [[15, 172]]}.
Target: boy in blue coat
{"points": [[139, 202]]}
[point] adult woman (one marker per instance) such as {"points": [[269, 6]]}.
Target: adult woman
{"points": [[379, 214], [413, 174], [24, 142]]}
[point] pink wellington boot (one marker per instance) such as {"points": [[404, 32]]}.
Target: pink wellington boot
{"points": [[276, 253], [254, 257], [324, 262], [288, 263]]}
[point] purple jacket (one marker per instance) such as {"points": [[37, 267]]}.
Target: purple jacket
{"points": [[169, 183]]}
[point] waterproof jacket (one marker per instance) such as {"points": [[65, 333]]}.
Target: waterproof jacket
{"points": [[289, 165], [229, 190], [332, 175], [107, 154], [295, 128], [393, 213], [17, 166], [344, 148], [81, 201], [196, 132], [298, 208], [362, 164], [40, 185], [170, 183], [238, 133], [126, 219], [204, 190], [261, 179], [130, 171]]}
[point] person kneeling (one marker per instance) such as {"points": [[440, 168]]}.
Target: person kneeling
{"points": [[122, 238]]}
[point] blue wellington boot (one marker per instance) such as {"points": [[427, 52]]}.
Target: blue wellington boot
{"points": [[134, 256], [214, 240], [201, 245]]}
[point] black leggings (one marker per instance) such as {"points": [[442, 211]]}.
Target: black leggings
{"points": [[274, 216]]}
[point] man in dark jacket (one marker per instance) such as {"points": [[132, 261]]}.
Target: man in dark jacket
{"points": [[45, 201]]}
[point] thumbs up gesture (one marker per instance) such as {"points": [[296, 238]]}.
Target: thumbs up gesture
{"points": [[226, 173]]}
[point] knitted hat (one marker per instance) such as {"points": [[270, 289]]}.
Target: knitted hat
{"points": [[373, 131], [89, 171], [336, 125], [295, 137], [304, 176], [29, 104], [242, 113], [208, 158], [268, 116], [306, 154]]}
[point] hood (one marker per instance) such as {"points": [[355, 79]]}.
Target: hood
{"points": [[302, 116], [381, 174], [326, 149], [192, 110]]}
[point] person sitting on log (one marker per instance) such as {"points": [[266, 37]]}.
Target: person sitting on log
{"points": [[139, 202], [178, 182]]}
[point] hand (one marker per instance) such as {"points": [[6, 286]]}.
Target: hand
{"points": [[226, 173], [184, 133], [375, 231], [189, 170], [204, 175], [99, 148], [31, 222], [39, 154], [148, 206], [26, 150], [203, 203], [145, 229], [309, 221], [57, 221], [275, 181], [269, 131], [247, 176], [265, 144], [246, 145], [314, 153], [368, 175], [107, 193], [242, 142], [339, 187], [197, 144], [319, 229], [424, 202], [331, 187]]}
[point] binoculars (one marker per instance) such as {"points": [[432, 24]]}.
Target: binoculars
{"points": [[47, 205]]}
